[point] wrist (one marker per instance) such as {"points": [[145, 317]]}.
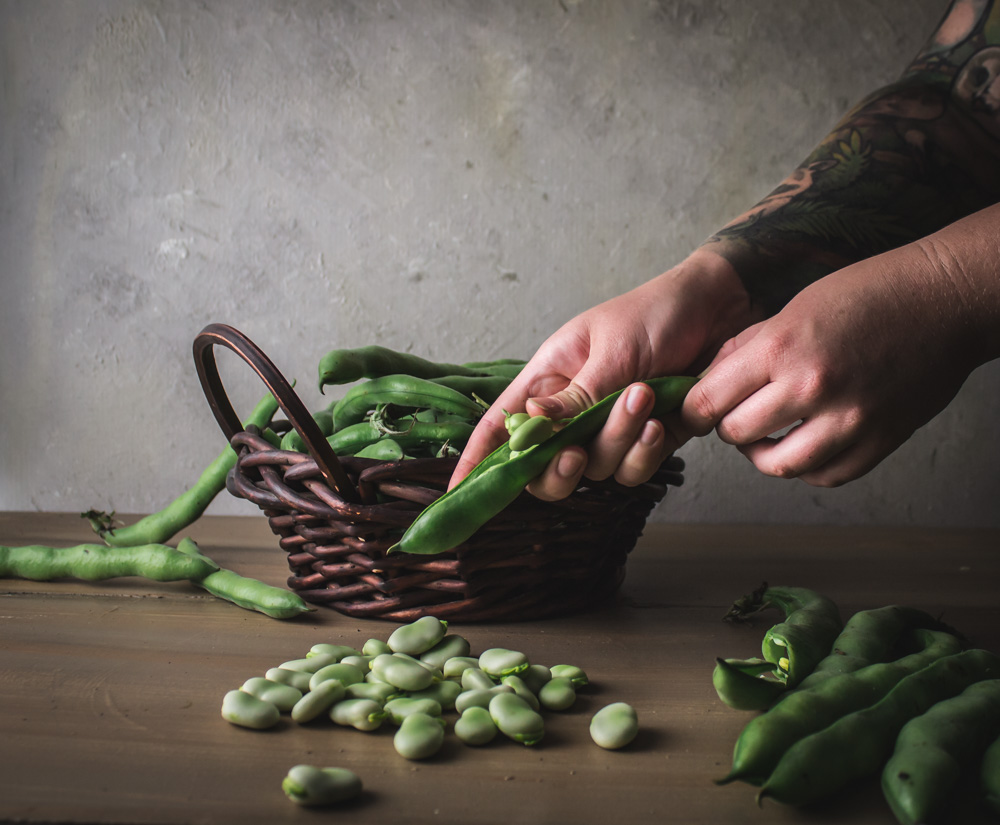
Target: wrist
{"points": [[715, 301]]}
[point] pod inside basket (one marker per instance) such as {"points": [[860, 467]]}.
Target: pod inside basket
{"points": [[535, 559]]}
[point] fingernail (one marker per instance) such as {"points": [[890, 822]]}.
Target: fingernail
{"points": [[650, 434], [548, 406], [636, 399], [570, 464]]}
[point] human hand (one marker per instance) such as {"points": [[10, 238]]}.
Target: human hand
{"points": [[669, 325], [853, 365]]}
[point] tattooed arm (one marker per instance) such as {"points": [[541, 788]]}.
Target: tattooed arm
{"points": [[881, 257], [833, 303], [908, 160]]}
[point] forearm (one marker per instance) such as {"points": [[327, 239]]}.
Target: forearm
{"points": [[908, 160]]}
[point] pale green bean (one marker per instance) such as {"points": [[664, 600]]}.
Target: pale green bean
{"points": [[311, 786], [614, 726]]}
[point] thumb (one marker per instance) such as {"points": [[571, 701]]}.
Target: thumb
{"points": [[580, 394]]}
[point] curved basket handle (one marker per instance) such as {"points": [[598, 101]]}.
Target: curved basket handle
{"points": [[298, 416]]}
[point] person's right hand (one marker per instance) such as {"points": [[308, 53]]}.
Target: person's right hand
{"points": [[671, 325]]}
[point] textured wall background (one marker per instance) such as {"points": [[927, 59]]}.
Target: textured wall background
{"points": [[451, 178]]}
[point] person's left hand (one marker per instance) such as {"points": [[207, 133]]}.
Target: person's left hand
{"points": [[853, 365]]}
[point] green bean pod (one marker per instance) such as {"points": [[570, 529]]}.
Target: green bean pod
{"points": [[796, 645], [989, 776], [293, 442], [869, 636], [499, 479], [355, 438], [183, 511], [420, 736], [487, 387], [747, 684], [311, 786], [933, 751], [614, 726], [385, 449], [402, 391], [803, 711], [96, 562], [475, 726], [859, 744], [516, 720], [345, 366], [245, 592]]}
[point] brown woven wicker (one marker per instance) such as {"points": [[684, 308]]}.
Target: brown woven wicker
{"points": [[336, 517]]}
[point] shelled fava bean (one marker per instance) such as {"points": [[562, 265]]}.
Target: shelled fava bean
{"points": [[412, 681]]}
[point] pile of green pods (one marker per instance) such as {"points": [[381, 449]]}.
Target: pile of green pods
{"points": [[893, 693]]}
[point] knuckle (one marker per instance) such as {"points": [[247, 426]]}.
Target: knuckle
{"points": [[700, 411]]}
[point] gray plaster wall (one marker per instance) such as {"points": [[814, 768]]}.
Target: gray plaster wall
{"points": [[454, 179]]}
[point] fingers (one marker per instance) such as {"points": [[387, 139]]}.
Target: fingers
{"points": [[728, 383], [630, 447], [827, 451], [562, 475], [624, 426], [489, 434]]}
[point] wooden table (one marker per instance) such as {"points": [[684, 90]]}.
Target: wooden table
{"points": [[110, 692]]}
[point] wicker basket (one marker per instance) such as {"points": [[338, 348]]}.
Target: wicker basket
{"points": [[336, 517]]}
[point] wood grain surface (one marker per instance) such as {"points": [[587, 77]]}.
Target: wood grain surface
{"points": [[110, 692]]}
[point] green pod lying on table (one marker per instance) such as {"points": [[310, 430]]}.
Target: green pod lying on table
{"points": [[188, 507], [746, 684], [245, 592], [989, 776], [95, 562], [859, 744], [934, 749], [500, 478], [804, 711]]}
